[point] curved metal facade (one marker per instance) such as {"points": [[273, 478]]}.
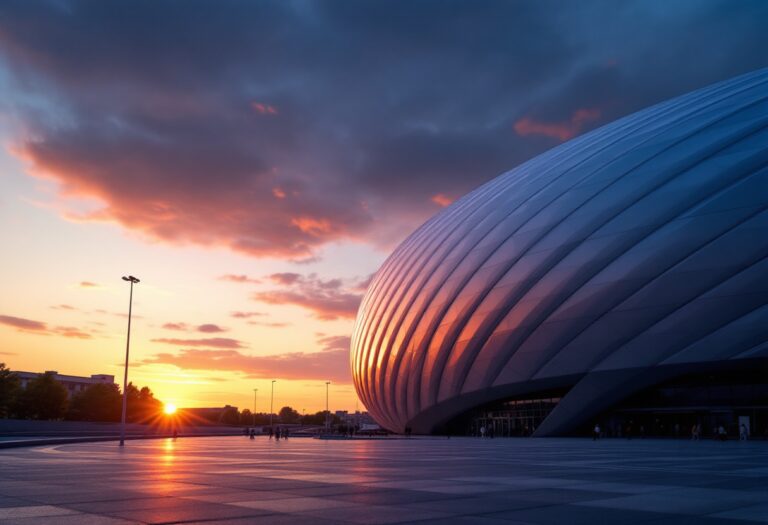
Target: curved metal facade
{"points": [[598, 265]]}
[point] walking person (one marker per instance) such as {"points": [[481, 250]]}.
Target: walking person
{"points": [[482, 431], [743, 432], [596, 432], [270, 433], [721, 433]]}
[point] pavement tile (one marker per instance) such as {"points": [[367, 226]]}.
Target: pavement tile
{"points": [[70, 519], [293, 504], [180, 513], [376, 514], [574, 515], [33, 511], [757, 513]]}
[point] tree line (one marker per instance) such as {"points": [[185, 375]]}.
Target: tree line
{"points": [[286, 416], [46, 398]]}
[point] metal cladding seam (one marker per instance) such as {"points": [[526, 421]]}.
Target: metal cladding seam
{"points": [[573, 262]]}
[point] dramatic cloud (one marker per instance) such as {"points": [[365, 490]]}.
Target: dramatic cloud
{"points": [[41, 328], [328, 300], [330, 363], [212, 342], [274, 128]]}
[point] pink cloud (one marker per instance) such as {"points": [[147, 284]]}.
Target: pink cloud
{"points": [[63, 307], [212, 342], [328, 299], [41, 328], [239, 278], [247, 315], [558, 130], [210, 328], [176, 326], [263, 109], [23, 324], [286, 278], [269, 324]]}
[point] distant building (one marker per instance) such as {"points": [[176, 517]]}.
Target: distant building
{"points": [[73, 384]]}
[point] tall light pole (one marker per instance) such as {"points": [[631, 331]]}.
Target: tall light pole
{"points": [[327, 412], [133, 280], [271, 402], [255, 391]]}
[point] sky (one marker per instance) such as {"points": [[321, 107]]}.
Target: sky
{"points": [[253, 163]]}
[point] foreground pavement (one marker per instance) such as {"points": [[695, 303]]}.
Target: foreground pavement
{"points": [[233, 480]]}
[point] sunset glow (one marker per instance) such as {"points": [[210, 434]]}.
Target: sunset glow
{"points": [[169, 409]]}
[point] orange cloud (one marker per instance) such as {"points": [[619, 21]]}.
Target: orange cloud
{"points": [[312, 226], [559, 130], [279, 193], [88, 284], [441, 199]]}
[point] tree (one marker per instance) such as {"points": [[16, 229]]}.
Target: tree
{"points": [[9, 389], [44, 398], [99, 402], [230, 416], [246, 417], [288, 415], [142, 405]]}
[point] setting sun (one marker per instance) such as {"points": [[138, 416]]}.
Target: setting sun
{"points": [[169, 409]]}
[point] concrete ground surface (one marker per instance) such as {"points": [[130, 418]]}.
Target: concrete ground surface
{"points": [[234, 480]]}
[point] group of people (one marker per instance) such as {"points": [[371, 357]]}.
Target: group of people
{"points": [[276, 433]]}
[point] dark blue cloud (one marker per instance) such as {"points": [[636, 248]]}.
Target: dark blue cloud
{"points": [[376, 106]]}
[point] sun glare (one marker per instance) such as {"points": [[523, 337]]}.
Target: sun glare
{"points": [[169, 409]]}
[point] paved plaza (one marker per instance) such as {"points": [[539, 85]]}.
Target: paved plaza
{"points": [[233, 480]]}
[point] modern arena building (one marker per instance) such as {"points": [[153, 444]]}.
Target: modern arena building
{"points": [[619, 278]]}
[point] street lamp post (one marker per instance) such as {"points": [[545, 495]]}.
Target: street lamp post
{"points": [[271, 402], [327, 412], [255, 391], [133, 280]]}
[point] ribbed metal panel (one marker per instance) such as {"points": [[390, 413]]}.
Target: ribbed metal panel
{"points": [[640, 244]]}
